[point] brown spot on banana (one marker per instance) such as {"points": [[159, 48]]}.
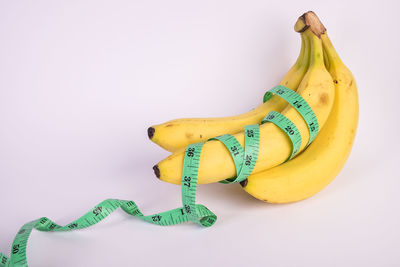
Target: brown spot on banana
{"points": [[349, 88], [188, 135], [324, 98]]}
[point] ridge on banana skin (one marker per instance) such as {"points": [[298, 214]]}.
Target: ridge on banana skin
{"points": [[176, 134], [216, 163], [320, 163]]}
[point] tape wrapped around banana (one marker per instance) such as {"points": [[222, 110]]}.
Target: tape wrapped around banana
{"points": [[216, 163], [325, 83], [321, 162]]}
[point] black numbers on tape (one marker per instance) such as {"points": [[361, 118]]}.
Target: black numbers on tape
{"points": [[280, 91], [15, 249], [297, 104], [289, 130], [43, 220], [234, 150], [52, 226], [248, 160], [250, 133], [187, 209], [97, 210], [156, 218], [190, 152], [72, 226], [187, 180], [4, 260], [270, 117], [312, 127]]}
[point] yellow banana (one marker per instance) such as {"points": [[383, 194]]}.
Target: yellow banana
{"points": [[321, 162], [177, 134], [216, 162]]}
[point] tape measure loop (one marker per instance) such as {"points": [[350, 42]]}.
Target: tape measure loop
{"points": [[288, 127], [196, 213], [298, 102], [236, 151], [244, 159]]}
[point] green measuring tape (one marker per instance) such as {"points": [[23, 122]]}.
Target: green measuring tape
{"points": [[244, 159], [95, 215], [288, 127], [300, 105]]}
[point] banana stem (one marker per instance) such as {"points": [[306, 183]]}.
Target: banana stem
{"points": [[307, 52], [310, 20], [302, 55], [316, 58], [330, 51], [326, 59]]}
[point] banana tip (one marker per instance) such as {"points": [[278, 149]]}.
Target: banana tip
{"points": [[244, 183], [156, 171], [150, 132]]}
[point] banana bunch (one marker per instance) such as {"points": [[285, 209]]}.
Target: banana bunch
{"points": [[324, 82]]}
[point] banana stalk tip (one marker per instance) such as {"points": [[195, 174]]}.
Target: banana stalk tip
{"points": [[156, 171], [150, 132], [310, 20]]}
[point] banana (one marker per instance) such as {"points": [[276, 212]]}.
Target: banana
{"points": [[321, 162], [216, 163], [177, 134]]}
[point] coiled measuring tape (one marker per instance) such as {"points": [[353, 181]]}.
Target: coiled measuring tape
{"points": [[298, 102], [244, 159]]}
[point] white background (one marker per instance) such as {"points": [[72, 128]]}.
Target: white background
{"points": [[80, 82]]}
